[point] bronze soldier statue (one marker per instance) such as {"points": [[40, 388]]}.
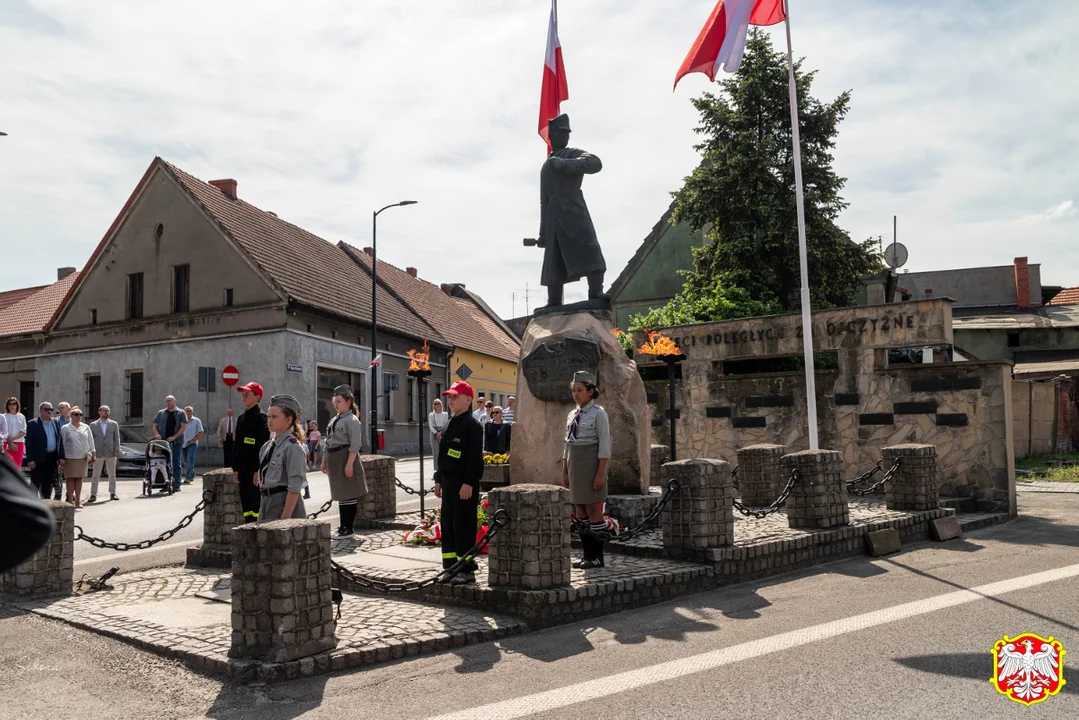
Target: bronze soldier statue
{"points": [[567, 235]]}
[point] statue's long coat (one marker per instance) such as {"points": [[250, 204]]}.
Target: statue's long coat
{"points": [[567, 234]]}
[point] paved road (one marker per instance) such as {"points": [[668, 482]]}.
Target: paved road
{"points": [[887, 638], [134, 518]]}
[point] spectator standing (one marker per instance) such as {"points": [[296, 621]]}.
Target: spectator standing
{"points": [[193, 432], [481, 408], [106, 434], [44, 449], [15, 445], [79, 453], [437, 420], [251, 434], [507, 412], [3, 430], [64, 408], [226, 433], [169, 425], [314, 437], [496, 434]]}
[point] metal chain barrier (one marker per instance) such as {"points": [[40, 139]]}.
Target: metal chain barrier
{"points": [[326, 506], [411, 491], [774, 507], [582, 526], [498, 521], [865, 476], [207, 498], [873, 488]]}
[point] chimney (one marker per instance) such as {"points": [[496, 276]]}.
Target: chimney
{"points": [[1022, 283], [227, 186], [411, 271], [369, 251], [63, 272]]}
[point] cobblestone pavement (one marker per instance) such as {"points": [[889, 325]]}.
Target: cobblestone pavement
{"points": [[168, 610], [1046, 487]]}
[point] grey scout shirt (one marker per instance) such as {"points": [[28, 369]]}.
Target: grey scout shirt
{"points": [[285, 464], [344, 431], [594, 428]]}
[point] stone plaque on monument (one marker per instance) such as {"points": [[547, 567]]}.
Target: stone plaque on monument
{"points": [[549, 368]]}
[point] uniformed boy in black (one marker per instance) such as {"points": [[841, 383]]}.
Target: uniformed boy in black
{"points": [[457, 480], [251, 435]]}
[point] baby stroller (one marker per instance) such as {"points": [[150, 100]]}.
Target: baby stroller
{"points": [[158, 473]]}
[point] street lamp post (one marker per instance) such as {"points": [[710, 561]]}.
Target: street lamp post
{"points": [[375, 372]]}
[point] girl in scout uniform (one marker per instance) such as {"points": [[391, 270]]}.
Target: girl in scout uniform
{"points": [[343, 440], [584, 463], [282, 462]]}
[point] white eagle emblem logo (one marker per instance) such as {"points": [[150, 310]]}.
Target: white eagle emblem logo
{"points": [[1028, 668]]}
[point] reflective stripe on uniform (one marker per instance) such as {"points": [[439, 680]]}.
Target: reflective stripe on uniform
{"points": [[251, 513], [249, 441], [455, 454], [449, 556]]}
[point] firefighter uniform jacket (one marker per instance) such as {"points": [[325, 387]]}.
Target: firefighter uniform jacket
{"points": [[460, 453], [251, 435]]}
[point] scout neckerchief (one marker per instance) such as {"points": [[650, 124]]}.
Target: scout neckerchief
{"points": [[266, 462], [571, 433]]}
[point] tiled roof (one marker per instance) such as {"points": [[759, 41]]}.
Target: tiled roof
{"points": [[1067, 296], [9, 298], [307, 268], [458, 320], [34, 311]]}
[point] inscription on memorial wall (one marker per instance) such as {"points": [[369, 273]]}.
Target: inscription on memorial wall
{"points": [[549, 368], [876, 328]]}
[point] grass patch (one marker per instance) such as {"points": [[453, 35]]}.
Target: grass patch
{"points": [[1047, 467]]}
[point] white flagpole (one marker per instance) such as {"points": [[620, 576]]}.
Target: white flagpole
{"points": [[803, 262]]}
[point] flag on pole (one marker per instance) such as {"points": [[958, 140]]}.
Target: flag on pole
{"points": [[723, 38], [377, 362], [554, 89]]}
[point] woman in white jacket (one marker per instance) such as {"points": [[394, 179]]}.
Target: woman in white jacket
{"points": [[78, 454]]}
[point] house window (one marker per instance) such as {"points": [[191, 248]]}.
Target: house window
{"points": [[133, 396], [389, 391], [333, 334], [134, 296], [310, 328], [92, 386], [93, 316], [1013, 339], [26, 397], [228, 297], [181, 288], [413, 398]]}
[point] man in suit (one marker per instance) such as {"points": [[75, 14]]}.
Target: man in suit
{"points": [[106, 434], [44, 449], [226, 433]]}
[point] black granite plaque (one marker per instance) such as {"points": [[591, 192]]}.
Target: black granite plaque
{"points": [[718, 411], [945, 384], [876, 419], [915, 408], [952, 419], [658, 422], [763, 401], [748, 422], [549, 369], [651, 397], [677, 413], [846, 398]]}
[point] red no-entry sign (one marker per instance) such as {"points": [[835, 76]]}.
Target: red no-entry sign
{"points": [[230, 375]]}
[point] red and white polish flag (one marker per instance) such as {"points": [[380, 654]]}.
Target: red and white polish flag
{"points": [[722, 40], [554, 89]]}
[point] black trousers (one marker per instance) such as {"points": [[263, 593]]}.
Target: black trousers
{"points": [[226, 448], [44, 475], [458, 522], [250, 497]]}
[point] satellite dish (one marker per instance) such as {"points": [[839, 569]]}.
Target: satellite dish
{"points": [[896, 255]]}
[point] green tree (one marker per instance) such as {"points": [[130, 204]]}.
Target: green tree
{"points": [[742, 194]]}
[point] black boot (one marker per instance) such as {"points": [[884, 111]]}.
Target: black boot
{"points": [[594, 550], [554, 295], [595, 286], [348, 519]]}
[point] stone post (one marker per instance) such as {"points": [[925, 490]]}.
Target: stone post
{"points": [[532, 552], [222, 514], [49, 571], [915, 484], [281, 601], [658, 455], [381, 498], [700, 514], [819, 496], [760, 474]]}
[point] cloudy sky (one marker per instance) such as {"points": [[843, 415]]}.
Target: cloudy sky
{"points": [[962, 122]]}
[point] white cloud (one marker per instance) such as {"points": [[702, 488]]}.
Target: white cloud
{"points": [[323, 112], [1061, 211]]}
